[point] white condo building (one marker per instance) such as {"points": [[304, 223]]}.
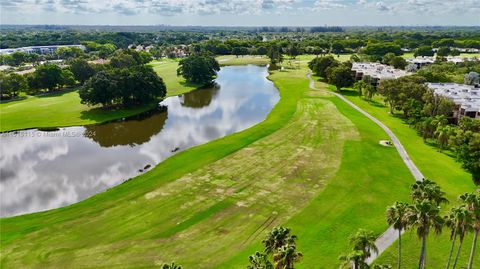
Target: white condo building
{"points": [[465, 97]]}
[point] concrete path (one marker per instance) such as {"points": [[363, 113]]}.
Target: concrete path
{"points": [[390, 235]]}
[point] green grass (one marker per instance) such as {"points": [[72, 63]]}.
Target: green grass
{"points": [[167, 70], [314, 164], [435, 165], [65, 109], [242, 60]]}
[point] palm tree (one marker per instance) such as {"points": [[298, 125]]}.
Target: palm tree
{"points": [[277, 238], [286, 257], [472, 202], [171, 266], [396, 217], [259, 261], [356, 258], [365, 241], [424, 216], [428, 190], [457, 221], [443, 134]]}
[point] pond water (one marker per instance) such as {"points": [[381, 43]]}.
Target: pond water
{"points": [[44, 170]]}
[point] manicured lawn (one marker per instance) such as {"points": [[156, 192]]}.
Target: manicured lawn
{"points": [[65, 109], [434, 165], [241, 60], [314, 164], [167, 70]]}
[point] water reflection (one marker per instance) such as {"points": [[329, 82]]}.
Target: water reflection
{"points": [[201, 98], [134, 131], [43, 170]]}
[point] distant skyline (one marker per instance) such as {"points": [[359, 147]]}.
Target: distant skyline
{"points": [[242, 12]]}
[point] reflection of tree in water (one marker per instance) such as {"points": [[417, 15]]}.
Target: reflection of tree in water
{"points": [[135, 130], [199, 98]]}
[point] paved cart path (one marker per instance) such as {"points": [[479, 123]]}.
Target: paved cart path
{"points": [[390, 235]]}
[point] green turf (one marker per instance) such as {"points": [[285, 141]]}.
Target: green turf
{"points": [[314, 165], [210, 206], [65, 109], [435, 165], [242, 60]]}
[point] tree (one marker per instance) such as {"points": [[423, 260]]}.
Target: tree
{"points": [[18, 58], [12, 84], [443, 51], [293, 50], [363, 243], [443, 134], [472, 78], [286, 256], [68, 79], [404, 94], [424, 51], [275, 54], [387, 58], [81, 69], [134, 86], [437, 105], [198, 69], [472, 202], [428, 190], [262, 50], [239, 51], [280, 244], [278, 237], [424, 216], [69, 52], [320, 65], [398, 62], [378, 50], [468, 152], [458, 221], [340, 76], [337, 47], [356, 258], [122, 60], [48, 76], [359, 86], [99, 89], [396, 217], [259, 261]]}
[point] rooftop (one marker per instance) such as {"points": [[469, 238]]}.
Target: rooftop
{"points": [[378, 71], [466, 96]]}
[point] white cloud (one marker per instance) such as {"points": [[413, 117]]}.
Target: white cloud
{"points": [[382, 6], [138, 10], [328, 4]]}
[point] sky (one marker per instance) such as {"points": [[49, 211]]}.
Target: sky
{"points": [[242, 12]]}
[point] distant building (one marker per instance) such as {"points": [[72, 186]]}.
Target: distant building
{"points": [[376, 71], [421, 61], [465, 97], [39, 49], [426, 60]]}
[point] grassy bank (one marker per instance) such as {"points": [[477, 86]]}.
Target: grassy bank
{"points": [[314, 164], [242, 60], [65, 109], [435, 165]]}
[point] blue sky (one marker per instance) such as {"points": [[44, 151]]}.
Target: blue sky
{"points": [[242, 12]]}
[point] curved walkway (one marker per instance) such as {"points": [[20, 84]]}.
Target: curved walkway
{"points": [[390, 235]]}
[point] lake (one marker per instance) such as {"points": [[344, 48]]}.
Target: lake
{"points": [[43, 170]]}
